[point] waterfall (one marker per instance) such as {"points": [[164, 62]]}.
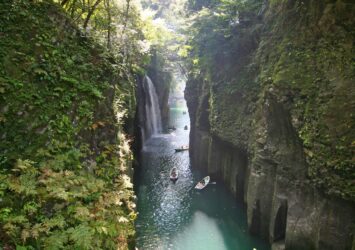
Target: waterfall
{"points": [[152, 124]]}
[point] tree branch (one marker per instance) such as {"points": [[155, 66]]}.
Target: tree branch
{"points": [[90, 12]]}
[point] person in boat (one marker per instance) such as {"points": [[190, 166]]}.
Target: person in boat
{"points": [[201, 184]]}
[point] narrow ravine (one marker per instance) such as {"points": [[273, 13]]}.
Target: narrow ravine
{"points": [[97, 96], [174, 215]]}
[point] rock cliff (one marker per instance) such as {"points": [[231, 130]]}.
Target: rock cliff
{"points": [[274, 121], [162, 80]]}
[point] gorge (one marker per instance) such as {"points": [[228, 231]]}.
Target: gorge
{"points": [[172, 215], [95, 96]]}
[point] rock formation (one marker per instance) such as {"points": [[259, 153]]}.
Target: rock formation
{"points": [[276, 125]]}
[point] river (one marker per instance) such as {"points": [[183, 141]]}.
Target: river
{"points": [[176, 216]]}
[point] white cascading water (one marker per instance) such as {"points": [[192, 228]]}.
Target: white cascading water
{"points": [[152, 111]]}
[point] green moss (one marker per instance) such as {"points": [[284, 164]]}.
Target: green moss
{"points": [[62, 184], [304, 55], [314, 66]]}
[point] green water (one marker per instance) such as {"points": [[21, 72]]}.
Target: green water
{"points": [[174, 215]]}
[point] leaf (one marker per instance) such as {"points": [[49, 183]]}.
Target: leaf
{"points": [[82, 213], [25, 234], [40, 72], [58, 89], [104, 230], [81, 235], [123, 220], [56, 241], [57, 221], [94, 126], [22, 248], [70, 80]]}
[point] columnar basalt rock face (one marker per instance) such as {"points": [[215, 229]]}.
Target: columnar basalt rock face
{"points": [[255, 139], [282, 207]]}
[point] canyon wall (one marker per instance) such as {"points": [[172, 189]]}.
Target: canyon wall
{"points": [[66, 115], [161, 78], [277, 125]]}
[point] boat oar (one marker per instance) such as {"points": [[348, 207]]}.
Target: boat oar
{"points": [[213, 183]]}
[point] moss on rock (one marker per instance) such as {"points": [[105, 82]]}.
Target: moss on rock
{"points": [[303, 54], [65, 158]]}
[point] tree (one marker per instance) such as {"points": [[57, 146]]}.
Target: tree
{"points": [[90, 13], [109, 23]]}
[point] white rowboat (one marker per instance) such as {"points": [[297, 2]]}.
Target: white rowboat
{"points": [[203, 183], [174, 174], [182, 148]]}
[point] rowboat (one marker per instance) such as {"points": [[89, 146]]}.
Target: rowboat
{"points": [[174, 174], [203, 183], [182, 148], [172, 128]]}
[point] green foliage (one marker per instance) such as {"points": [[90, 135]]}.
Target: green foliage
{"points": [[314, 66], [223, 35], [219, 35], [197, 5], [302, 54], [63, 182]]}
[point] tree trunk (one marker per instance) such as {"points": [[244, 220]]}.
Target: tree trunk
{"points": [[90, 12], [64, 2], [108, 9], [125, 51], [126, 17]]}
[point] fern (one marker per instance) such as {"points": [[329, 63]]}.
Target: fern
{"points": [[59, 174], [81, 236], [57, 240]]}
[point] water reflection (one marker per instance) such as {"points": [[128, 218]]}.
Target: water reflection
{"points": [[174, 215], [205, 232]]}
